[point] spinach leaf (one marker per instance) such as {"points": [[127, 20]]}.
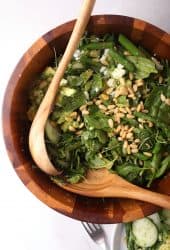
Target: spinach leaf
{"points": [[144, 66], [129, 172], [97, 120], [98, 161]]}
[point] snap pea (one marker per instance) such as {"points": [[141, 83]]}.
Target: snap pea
{"points": [[155, 163], [157, 148], [127, 44], [164, 166], [119, 58], [98, 45]]}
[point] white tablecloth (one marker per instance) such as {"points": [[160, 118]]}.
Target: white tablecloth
{"points": [[25, 222]]}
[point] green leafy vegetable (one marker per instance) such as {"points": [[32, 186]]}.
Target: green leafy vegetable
{"points": [[143, 65]]}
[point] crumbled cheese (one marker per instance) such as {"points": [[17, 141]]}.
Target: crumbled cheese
{"points": [[103, 59], [63, 82], [102, 69], [86, 95], [111, 82], [118, 72], [77, 54]]}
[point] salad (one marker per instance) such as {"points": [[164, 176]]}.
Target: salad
{"points": [[150, 233], [112, 111]]}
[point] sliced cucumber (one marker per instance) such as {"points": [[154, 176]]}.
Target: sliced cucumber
{"points": [[156, 219], [166, 216], [51, 132], [145, 232]]}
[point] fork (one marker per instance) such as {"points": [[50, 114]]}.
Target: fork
{"points": [[97, 234]]}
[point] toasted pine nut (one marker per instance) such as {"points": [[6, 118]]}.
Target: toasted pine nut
{"points": [[81, 125], [111, 106], [133, 146], [147, 154], [120, 138], [110, 122], [117, 130], [98, 102], [73, 114], [129, 116], [78, 118], [129, 135], [150, 124], [139, 82], [167, 101], [71, 128], [138, 109], [163, 98], [104, 97], [85, 112], [125, 144], [109, 91], [135, 87], [83, 107], [134, 150], [160, 79], [145, 111], [103, 107], [128, 110], [131, 76], [123, 110]]}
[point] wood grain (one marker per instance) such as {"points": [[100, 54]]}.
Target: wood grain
{"points": [[16, 125]]}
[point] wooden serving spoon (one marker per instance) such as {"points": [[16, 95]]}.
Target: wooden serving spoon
{"points": [[36, 135], [98, 183]]}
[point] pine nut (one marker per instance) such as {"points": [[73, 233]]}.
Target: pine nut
{"points": [[129, 135], [73, 114], [110, 122], [109, 91], [130, 116], [98, 102], [111, 106], [134, 150], [85, 112], [81, 125], [71, 128], [128, 110], [125, 144], [131, 76], [139, 82], [120, 138], [147, 154], [83, 107], [104, 97], [133, 146], [123, 110], [135, 88], [101, 106]]}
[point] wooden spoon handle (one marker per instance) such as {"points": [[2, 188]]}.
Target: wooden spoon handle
{"points": [[36, 135], [72, 45], [128, 190], [142, 194]]}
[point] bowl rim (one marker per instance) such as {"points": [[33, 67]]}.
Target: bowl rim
{"points": [[24, 177]]}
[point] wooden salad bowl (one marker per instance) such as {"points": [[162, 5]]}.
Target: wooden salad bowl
{"points": [[16, 125]]}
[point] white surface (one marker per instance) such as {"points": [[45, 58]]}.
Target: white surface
{"points": [[25, 222]]}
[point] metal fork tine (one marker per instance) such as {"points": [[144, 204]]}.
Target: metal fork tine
{"points": [[87, 228], [97, 234], [97, 226], [91, 226]]}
